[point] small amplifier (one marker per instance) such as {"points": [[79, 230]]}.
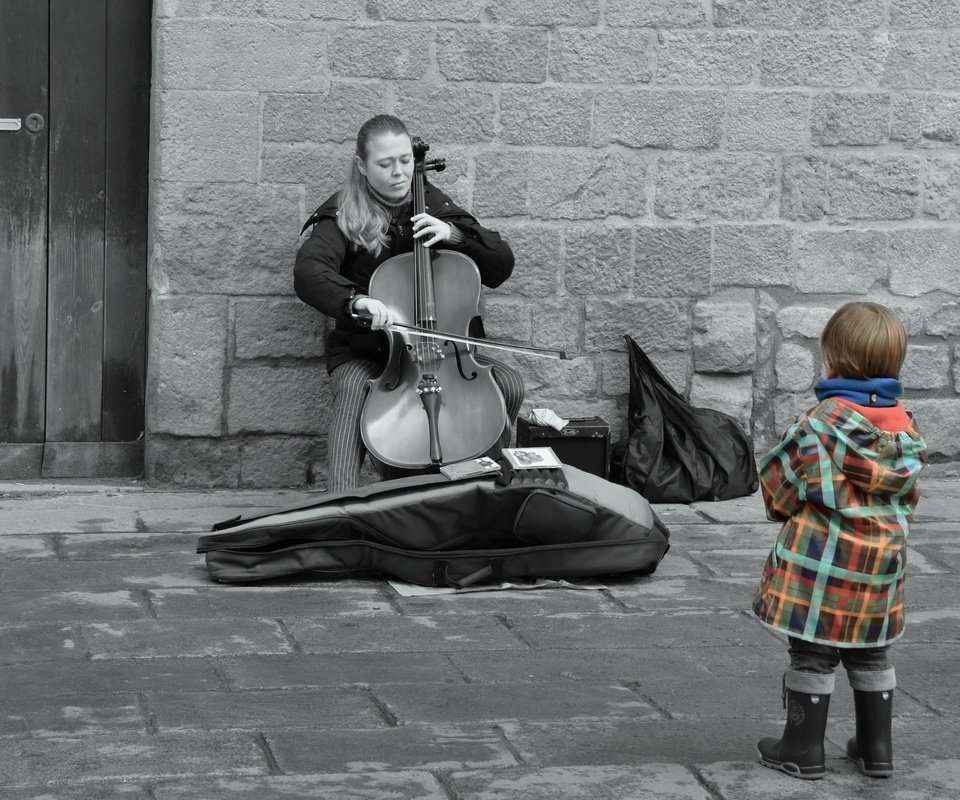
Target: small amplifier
{"points": [[581, 443]]}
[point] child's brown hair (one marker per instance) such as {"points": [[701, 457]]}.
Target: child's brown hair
{"points": [[863, 340]]}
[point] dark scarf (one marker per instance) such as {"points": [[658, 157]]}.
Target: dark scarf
{"points": [[394, 205], [863, 392]]}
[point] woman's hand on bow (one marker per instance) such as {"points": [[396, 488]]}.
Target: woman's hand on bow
{"points": [[380, 316]]}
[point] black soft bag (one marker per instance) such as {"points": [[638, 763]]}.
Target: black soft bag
{"points": [[674, 452], [435, 531]]}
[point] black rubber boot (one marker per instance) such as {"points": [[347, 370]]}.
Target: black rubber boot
{"points": [[799, 752], [872, 747]]}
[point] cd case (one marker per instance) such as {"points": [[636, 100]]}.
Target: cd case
{"points": [[475, 466], [531, 457]]}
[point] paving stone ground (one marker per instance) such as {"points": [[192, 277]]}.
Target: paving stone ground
{"points": [[126, 673]]}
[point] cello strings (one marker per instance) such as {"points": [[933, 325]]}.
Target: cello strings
{"points": [[423, 300], [418, 268]]}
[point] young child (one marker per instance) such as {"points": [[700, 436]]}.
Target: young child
{"points": [[844, 480]]}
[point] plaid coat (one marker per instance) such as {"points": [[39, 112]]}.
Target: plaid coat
{"points": [[847, 491]]}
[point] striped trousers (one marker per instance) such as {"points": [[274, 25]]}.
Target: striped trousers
{"points": [[349, 385]]}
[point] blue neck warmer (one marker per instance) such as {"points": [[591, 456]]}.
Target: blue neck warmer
{"points": [[872, 392]]}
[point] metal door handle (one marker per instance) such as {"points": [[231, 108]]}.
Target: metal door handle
{"points": [[10, 124]]}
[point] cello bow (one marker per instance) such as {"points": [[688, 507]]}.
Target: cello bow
{"points": [[400, 327]]}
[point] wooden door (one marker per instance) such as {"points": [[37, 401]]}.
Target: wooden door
{"points": [[74, 112]]}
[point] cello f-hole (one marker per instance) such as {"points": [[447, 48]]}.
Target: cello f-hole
{"points": [[456, 354]]}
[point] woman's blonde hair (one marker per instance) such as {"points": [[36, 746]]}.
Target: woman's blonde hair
{"points": [[863, 340], [362, 219]]}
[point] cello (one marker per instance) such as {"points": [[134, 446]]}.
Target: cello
{"points": [[434, 403]]}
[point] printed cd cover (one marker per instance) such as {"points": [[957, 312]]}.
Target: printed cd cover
{"points": [[531, 457], [475, 466]]}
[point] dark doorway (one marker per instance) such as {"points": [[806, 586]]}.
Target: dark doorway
{"points": [[74, 127]]}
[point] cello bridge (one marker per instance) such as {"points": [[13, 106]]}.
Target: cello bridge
{"points": [[427, 351]]}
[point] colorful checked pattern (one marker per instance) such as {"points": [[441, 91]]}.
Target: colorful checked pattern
{"points": [[847, 491]]}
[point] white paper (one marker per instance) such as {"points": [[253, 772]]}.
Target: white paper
{"points": [[415, 590], [546, 416]]}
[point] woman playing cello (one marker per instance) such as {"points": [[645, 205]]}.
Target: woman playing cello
{"points": [[368, 221]]}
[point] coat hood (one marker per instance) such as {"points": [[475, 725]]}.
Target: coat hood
{"points": [[876, 462]]}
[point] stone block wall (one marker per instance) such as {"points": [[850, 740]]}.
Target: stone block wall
{"points": [[710, 177]]}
